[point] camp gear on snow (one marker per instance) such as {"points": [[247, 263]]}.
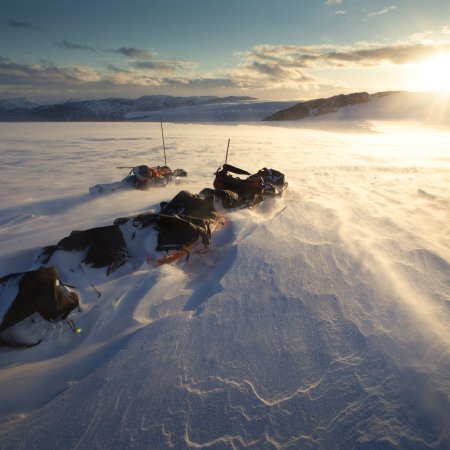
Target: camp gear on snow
{"points": [[228, 199], [190, 205], [104, 246], [179, 173], [145, 176], [251, 189], [179, 232], [274, 182], [140, 177], [24, 294], [181, 223]]}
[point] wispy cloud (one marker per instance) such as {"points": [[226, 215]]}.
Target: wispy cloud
{"points": [[131, 52], [333, 2], [21, 24], [203, 82], [14, 73], [74, 46], [340, 12], [164, 65], [382, 11], [324, 56]]}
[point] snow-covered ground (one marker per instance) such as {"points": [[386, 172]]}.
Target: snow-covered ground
{"points": [[316, 320]]}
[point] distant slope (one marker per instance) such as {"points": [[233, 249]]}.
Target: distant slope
{"points": [[429, 107], [9, 105], [111, 109], [319, 107], [243, 111]]}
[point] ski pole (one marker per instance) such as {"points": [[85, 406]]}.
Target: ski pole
{"points": [[228, 146]]}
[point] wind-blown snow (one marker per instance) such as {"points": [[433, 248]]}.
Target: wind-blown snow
{"points": [[316, 320]]}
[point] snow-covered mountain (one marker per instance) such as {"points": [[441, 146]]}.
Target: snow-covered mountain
{"points": [[423, 106], [110, 109], [320, 106], [427, 107], [230, 111], [13, 104]]}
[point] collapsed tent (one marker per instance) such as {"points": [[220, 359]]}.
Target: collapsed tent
{"points": [[141, 177], [29, 301]]}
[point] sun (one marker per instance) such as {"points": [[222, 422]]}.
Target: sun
{"points": [[434, 74]]}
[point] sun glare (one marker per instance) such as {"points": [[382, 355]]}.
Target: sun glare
{"points": [[434, 74]]}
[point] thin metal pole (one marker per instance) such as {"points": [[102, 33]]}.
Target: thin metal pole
{"points": [[164, 145], [228, 146]]}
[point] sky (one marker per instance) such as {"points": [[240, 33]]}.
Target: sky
{"points": [[285, 50]]}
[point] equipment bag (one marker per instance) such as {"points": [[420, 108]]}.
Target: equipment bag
{"points": [[104, 246], [274, 181], [24, 294], [251, 189], [179, 232]]}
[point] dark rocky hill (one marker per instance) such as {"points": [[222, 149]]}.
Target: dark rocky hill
{"points": [[320, 106]]}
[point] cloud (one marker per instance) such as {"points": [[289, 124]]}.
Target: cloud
{"points": [[164, 66], [201, 82], [131, 52], [323, 56], [114, 68], [333, 2], [340, 12], [264, 68], [14, 73], [276, 73], [21, 24], [382, 11], [74, 46]]}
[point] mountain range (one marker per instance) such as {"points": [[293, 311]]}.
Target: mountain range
{"points": [[110, 109], [391, 105]]}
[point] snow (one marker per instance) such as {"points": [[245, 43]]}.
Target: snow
{"points": [[316, 320]]}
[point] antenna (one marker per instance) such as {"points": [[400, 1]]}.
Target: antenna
{"points": [[164, 145], [228, 146]]}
